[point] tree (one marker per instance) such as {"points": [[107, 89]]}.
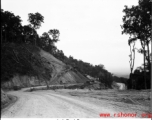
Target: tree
{"points": [[47, 43], [132, 60], [137, 23], [60, 55], [55, 34], [45, 38], [28, 33], [35, 20], [11, 28], [48, 39]]}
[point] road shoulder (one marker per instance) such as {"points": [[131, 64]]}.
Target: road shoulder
{"points": [[12, 100]]}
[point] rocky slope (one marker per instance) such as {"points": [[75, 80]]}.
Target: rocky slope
{"points": [[28, 65]]}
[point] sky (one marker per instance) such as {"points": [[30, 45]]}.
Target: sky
{"points": [[89, 29]]}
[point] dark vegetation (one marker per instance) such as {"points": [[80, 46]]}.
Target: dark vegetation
{"points": [[137, 23], [19, 43]]}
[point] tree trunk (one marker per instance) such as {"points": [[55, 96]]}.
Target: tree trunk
{"points": [[145, 67], [132, 61], [148, 56], [144, 56], [47, 84]]}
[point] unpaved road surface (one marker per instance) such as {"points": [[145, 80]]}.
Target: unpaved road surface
{"points": [[60, 104]]}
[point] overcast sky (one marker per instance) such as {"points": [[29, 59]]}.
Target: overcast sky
{"points": [[89, 29]]}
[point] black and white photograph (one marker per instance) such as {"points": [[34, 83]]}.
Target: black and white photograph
{"points": [[76, 59]]}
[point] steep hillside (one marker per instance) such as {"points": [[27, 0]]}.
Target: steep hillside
{"points": [[4, 99], [61, 73], [27, 65]]}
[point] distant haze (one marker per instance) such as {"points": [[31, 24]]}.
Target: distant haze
{"points": [[90, 29]]}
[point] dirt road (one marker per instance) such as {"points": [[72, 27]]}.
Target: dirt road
{"points": [[53, 104]]}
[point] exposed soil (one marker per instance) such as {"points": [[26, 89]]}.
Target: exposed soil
{"points": [[66, 103]]}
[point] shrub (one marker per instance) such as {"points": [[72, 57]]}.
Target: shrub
{"points": [[16, 87]]}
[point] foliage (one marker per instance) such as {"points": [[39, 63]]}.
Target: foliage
{"points": [[35, 20], [137, 81], [120, 79], [17, 57], [29, 34], [11, 28], [20, 59], [55, 34], [47, 43], [97, 71], [137, 23]]}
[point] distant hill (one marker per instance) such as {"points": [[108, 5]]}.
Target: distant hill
{"points": [[122, 75], [125, 76]]}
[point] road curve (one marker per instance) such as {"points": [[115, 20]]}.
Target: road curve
{"points": [[51, 104]]}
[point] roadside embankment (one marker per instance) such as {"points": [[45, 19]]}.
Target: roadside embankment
{"points": [[6, 100]]}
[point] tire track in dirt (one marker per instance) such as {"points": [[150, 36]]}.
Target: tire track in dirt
{"points": [[51, 104]]}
